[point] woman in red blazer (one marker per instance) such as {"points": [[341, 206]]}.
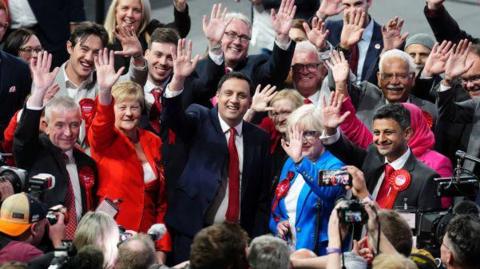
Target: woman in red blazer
{"points": [[128, 157]]}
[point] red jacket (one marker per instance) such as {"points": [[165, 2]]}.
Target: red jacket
{"points": [[121, 174]]}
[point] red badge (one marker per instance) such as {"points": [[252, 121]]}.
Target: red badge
{"points": [[88, 108], [87, 179], [399, 181], [281, 191]]}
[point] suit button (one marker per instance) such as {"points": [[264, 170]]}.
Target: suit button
{"points": [[298, 229]]}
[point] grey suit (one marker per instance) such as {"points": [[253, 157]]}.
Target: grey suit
{"points": [[89, 89], [367, 98]]}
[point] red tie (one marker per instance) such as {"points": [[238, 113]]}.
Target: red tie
{"points": [[354, 59], [233, 210], [385, 188], [156, 109], [307, 101], [71, 225]]}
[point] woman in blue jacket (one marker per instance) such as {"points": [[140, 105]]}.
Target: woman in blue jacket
{"points": [[301, 208]]}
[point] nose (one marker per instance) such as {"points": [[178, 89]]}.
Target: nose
{"points": [[67, 131], [130, 12], [163, 60], [418, 59], [89, 56]]}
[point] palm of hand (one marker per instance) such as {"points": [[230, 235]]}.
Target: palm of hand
{"points": [[43, 79], [183, 66], [215, 29], [331, 117], [455, 66], [351, 34], [106, 76], [282, 23], [340, 71], [435, 64], [316, 37], [130, 45], [393, 37]]}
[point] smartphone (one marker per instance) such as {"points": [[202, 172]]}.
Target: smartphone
{"points": [[334, 178]]}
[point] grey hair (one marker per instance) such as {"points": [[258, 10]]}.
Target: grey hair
{"points": [[241, 17], [268, 252], [57, 103], [307, 46], [399, 54], [101, 230], [136, 252], [307, 116]]}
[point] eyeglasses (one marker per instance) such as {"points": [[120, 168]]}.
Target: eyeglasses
{"points": [[29, 50], [310, 135], [313, 67], [233, 36], [400, 76]]}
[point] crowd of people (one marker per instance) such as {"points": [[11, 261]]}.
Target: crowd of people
{"points": [[341, 144]]}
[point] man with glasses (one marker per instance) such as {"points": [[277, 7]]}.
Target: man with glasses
{"points": [[396, 78], [229, 38]]}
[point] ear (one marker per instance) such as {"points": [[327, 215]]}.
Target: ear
{"points": [[450, 259], [69, 47], [43, 124], [408, 133], [379, 77], [147, 52]]}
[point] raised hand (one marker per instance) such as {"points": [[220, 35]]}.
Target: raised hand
{"points": [[392, 34], [180, 5], [434, 4], [261, 98], [329, 8], [104, 65], [282, 21], [183, 64], [50, 93], [457, 64], [317, 34], [131, 46], [353, 27], [331, 112], [214, 28], [435, 64], [294, 145], [41, 75], [339, 67]]}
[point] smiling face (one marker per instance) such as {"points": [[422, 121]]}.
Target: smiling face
{"points": [[471, 78], [419, 54], [359, 5], [307, 72], [128, 13], [312, 147], [30, 49], [63, 127], [235, 42], [233, 100], [395, 80], [389, 138], [160, 61], [80, 64], [127, 114]]}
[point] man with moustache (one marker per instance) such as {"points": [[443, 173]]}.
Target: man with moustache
{"points": [[394, 177]]}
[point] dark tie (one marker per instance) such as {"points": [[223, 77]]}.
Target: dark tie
{"points": [[384, 189], [354, 54], [71, 225], [156, 109], [233, 210], [307, 101]]}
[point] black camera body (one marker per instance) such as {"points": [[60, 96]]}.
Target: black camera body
{"points": [[352, 213], [16, 176]]}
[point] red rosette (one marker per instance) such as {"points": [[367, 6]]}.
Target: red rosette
{"points": [[86, 177], [281, 191], [87, 108], [399, 180]]}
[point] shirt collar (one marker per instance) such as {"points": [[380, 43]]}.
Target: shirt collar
{"points": [[69, 153], [225, 127], [400, 162], [68, 81]]}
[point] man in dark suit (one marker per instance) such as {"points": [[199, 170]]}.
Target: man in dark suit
{"points": [[228, 41], [51, 21], [54, 152], [363, 52], [227, 173], [394, 176]]}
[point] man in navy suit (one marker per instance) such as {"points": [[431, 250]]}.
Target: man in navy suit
{"points": [[225, 178], [370, 43]]}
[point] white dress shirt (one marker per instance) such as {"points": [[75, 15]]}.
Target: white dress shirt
{"points": [[363, 46], [21, 14]]}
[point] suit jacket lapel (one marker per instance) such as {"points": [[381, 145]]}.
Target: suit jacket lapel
{"points": [[248, 152], [373, 52]]}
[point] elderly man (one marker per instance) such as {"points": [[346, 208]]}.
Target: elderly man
{"points": [[396, 78], [419, 47]]}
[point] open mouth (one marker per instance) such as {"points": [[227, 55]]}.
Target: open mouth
{"points": [[232, 108]]}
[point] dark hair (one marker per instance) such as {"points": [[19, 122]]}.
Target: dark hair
{"points": [[16, 39], [237, 75], [86, 29], [396, 112], [164, 35], [397, 231], [464, 235], [298, 24], [219, 246], [137, 257], [88, 257]]}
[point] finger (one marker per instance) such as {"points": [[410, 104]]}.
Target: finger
{"points": [[54, 73], [363, 17], [119, 72], [356, 18], [49, 61], [344, 116], [204, 23], [111, 57], [224, 13], [400, 24], [195, 61], [213, 13], [257, 90], [314, 22], [306, 27], [105, 56], [404, 37], [189, 51], [273, 14]]}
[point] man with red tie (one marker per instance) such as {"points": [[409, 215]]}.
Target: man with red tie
{"points": [[394, 177], [227, 173]]}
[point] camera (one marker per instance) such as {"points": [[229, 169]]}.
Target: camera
{"points": [[63, 254], [15, 176], [124, 234], [353, 212], [52, 214], [334, 178]]}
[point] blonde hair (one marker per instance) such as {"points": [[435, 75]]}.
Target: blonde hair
{"points": [[307, 117], [110, 23], [393, 261], [289, 94], [99, 229], [128, 90]]}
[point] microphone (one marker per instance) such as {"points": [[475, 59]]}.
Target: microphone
{"points": [[157, 231], [463, 156]]}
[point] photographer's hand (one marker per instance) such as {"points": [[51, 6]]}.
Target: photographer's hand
{"points": [[283, 228], [56, 232], [359, 187], [6, 189]]}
